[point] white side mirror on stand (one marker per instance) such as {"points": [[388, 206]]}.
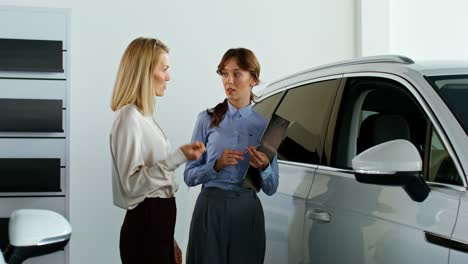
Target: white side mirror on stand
{"points": [[34, 233]]}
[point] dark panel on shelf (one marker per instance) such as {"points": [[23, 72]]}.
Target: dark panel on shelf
{"points": [[31, 55], [29, 175], [4, 237], [30, 115]]}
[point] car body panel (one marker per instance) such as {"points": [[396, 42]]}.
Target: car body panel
{"points": [[460, 234], [374, 222], [285, 210]]}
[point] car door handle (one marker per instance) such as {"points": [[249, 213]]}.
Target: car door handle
{"points": [[319, 215]]}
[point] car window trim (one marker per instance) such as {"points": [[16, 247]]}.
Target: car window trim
{"points": [[447, 186], [426, 109], [430, 184], [300, 164], [298, 84]]}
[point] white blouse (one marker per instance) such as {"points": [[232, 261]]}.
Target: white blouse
{"points": [[142, 165]]}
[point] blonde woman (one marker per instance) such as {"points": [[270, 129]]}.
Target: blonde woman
{"points": [[143, 180]]}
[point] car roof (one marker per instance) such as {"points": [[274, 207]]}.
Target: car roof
{"points": [[395, 64]]}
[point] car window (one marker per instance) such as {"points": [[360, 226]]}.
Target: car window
{"points": [[308, 109], [441, 167], [376, 110], [453, 89], [267, 106]]}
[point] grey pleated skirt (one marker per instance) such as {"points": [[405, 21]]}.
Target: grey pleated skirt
{"points": [[227, 227]]}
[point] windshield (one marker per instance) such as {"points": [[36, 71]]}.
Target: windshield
{"points": [[454, 91]]}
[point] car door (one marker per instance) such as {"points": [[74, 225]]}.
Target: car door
{"points": [[370, 223], [453, 90], [307, 107], [459, 241]]}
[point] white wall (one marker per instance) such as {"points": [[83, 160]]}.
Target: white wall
{"points": [[286, 36], [373, 27], [419, 29], [429, 29]]}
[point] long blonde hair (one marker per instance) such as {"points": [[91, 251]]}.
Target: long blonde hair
{"points": [[135, 83]]}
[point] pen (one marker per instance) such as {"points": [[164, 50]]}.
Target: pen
{"points": [[256, 146]]}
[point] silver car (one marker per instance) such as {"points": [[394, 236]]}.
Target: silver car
{"points": [[374, 165]]}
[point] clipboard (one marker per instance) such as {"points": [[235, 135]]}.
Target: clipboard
{"points": [[273, 135]]}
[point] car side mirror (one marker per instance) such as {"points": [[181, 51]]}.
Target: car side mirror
{"points": [[392, 163], [34, 233]]}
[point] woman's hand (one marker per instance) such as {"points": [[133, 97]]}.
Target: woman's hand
{"points": [[177, 253], [228, 157], [258, 159], [193, 151]]}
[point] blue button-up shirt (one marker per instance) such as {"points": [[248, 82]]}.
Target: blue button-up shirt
{"points": [[238, 129]]}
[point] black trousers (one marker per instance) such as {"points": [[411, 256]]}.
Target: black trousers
{"points": [[147, 234], [227, 228]]}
